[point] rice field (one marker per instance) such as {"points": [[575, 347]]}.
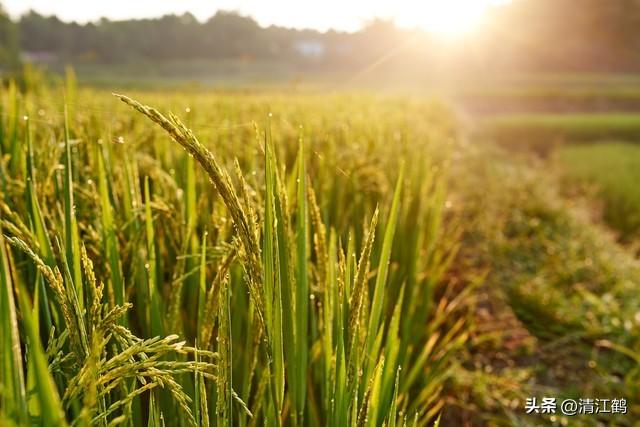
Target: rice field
{"points": [[264, 268], [295, 259]]}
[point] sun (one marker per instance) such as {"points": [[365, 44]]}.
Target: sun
{"points": [[448, 17]]}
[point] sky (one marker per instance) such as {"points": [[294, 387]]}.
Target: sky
{"points": [[444, 16]]}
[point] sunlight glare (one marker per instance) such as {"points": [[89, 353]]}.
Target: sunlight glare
{"points": [[449, 17]]}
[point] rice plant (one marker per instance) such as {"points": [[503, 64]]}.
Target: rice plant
{"points": [[292, 270]]}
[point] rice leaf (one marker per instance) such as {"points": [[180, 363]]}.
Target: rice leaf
{"points": [[13, 397]]}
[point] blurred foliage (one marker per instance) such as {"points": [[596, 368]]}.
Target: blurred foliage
{"points": [[609, 172], [9, 43], [544, 132], [560, 294]]}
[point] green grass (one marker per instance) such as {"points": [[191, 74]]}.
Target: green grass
{"points": [[571, 287], [548, 93], [613, 171], [193, 74], [544, 131], [562, 86], [561, 100]]}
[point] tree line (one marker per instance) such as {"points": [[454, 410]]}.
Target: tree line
{"points": [[529, 35]]}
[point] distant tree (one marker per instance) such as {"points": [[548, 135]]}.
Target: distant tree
{"points": [[229, 34], [596, 35], [529, 35], [9, 43]]}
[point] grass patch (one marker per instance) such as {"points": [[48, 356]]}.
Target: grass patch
{"points": [[544, 131], [613, 170], [571, 287], [547, 93], [514, 100]]}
